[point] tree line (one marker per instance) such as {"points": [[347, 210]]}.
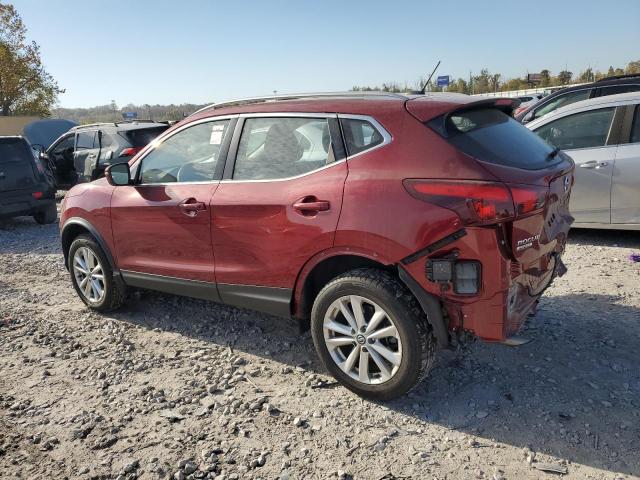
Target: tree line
{"points": [[112, 112], [486, 82]]}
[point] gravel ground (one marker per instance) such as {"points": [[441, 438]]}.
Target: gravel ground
{"points": [[170, 387]]}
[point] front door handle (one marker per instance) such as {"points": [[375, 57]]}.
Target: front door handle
{"points": [[191, 207], [593, 164], [310, 205]]}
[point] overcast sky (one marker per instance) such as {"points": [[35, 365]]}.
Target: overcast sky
{"points": [[200, 51]]}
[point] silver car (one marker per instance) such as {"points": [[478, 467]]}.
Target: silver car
{"points": [[602, 135]]}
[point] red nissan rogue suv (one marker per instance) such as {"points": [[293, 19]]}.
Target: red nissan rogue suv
{"points": [[393, 223]]}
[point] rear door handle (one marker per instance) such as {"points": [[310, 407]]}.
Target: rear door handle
{"points": [[191, 207], [311, 205]]}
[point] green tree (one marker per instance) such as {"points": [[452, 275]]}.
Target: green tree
{"points": [[633, 67], [25, 86], [586, 76], [545, 78], [564, 77]]}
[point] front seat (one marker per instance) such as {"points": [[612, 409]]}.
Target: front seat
{"points": [[281, 151]]}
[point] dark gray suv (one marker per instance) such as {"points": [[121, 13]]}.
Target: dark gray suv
{"points": [[83, 153]]}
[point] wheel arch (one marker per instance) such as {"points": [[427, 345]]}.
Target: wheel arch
{"points": [[322, 268], [77, 226]]}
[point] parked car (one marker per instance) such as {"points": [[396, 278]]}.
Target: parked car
{"points": [[602, 135], [392, 223], [24, 187], [83, 153], [527, 101], [566, 96]]}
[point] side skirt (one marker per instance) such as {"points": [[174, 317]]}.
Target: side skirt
{"points": [[271, 300]]}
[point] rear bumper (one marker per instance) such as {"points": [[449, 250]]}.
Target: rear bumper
{"points": [[14, 205], [510, 291]]}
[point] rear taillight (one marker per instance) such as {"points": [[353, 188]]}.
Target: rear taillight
{"points": [[130, 152], [479, 202], [37, 195]]}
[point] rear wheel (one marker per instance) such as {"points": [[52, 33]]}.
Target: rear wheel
{"points": [[371, 334], [92, 276], [48, 214]]}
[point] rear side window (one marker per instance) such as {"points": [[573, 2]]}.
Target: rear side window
{"points": [[276, 148], [359, 135], [492, 136], [141, 137], [85, 140], [12, 150], [581, 130], [618, 89]]}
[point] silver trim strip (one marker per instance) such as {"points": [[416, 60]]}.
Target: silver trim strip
{"points": [[294, 96], [287, 178]]}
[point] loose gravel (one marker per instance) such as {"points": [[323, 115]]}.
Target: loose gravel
{"points": [[175, 388]]}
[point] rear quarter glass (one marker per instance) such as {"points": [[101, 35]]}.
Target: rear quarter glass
{"points": [[492, 136]]}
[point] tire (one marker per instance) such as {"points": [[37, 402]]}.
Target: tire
{"points": [[47, 215], [411, 345], [113, 292]]}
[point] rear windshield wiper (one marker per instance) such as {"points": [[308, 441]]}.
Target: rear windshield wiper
{"points": [[553, 153]]}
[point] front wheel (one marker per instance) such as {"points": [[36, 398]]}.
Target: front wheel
{"points": [[371, 334], [92, 276]]}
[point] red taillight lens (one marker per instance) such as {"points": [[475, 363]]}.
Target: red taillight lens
{"points": [[528, 199], [479, 202], [130, 152], [37, 195]]}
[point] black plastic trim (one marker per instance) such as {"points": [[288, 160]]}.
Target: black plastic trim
{"points": [[94, 232], [430, 305], [627, 123], [272, 300], [176, 286], [435, 246], [615, 131]]}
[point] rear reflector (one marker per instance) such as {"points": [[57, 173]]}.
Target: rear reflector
{"points": [[479, 202], [37, 195], [130, 152]]}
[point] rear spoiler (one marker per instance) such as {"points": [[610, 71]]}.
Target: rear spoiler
{"points": [[507, 105]]}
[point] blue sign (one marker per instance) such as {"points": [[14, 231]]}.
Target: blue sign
{"points": [[443, 81], [129, 115]]}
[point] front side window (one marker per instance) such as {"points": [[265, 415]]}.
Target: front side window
{"points": [[561, 101], [359, 135], [64, 145], [282, 147], [190, 155], [580, 130]]}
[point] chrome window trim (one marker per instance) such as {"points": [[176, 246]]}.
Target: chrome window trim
{"points": [[333, 164], [288, 114], [386, 136], [158, 141]]}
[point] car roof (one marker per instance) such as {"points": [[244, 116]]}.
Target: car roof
{"points": [[358, 103], [608, 100], [124, 125]]}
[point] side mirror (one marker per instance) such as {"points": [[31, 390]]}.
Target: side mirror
{"points": [[528, 117], [43, 156], [118, 174]]}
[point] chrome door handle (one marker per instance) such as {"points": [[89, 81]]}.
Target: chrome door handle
{"points": [[591, 164], [602, 164]]}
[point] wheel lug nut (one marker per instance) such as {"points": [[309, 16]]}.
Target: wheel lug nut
{"points": [[364, 349], [363, 329], [372, 340], [353, 332]]}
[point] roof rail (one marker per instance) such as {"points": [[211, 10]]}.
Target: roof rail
{"points": [[89, 125], [294, 96], [618, 77], [142, 120]]}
